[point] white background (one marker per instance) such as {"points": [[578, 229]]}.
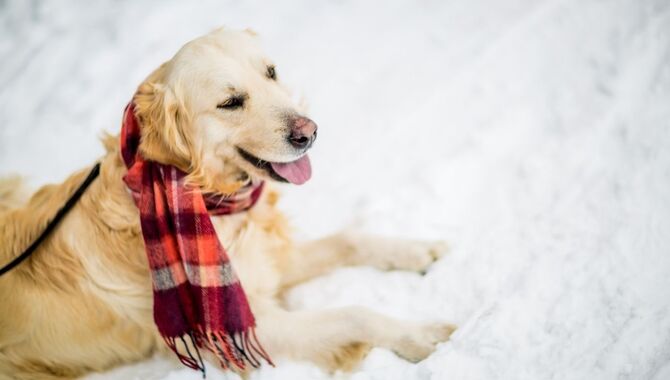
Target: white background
{"points": [[533, 136]]}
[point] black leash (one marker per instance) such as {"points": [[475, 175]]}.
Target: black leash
{"points": [[54, 222]]}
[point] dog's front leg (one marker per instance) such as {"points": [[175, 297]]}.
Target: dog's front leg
{"points": [[347, 249], [340, 338]]}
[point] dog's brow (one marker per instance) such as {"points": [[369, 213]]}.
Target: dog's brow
{"points": [[234, 91]]}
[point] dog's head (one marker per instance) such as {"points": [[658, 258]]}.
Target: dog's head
{"points": [[217, 111]]}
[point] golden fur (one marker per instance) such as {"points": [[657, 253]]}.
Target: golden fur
{"points": [[83, 301]]}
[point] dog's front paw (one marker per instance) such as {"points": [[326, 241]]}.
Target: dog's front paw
{"points": [[420, 341], [415, 255]]}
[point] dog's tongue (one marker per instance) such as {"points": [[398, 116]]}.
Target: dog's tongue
{"points": [[297, 172]]}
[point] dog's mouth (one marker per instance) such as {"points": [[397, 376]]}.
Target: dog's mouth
{"points": [[296, 172]]}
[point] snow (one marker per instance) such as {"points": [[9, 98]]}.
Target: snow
{"points": [[533, 136]]}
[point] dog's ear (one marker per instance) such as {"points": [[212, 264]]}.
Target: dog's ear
{"points": [[163, 120]]}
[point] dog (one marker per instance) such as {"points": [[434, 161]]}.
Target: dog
{"points": [[217, 110]]}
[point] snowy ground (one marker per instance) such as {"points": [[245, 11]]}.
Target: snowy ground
{"points": [[534, 136]]}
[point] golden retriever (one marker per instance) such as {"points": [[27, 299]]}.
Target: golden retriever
{"points": [[83, 301]]}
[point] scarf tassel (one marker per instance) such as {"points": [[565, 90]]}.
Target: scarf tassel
{"points": [[188, 360], [231, 350]]}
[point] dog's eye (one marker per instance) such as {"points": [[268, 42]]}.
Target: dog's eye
{"points": [[232, 103], [271, 73]]}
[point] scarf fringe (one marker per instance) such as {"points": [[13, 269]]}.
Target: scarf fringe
{"points": [[232, 350], [190, 361]]}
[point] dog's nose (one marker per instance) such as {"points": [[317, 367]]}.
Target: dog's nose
{"points": [[303, 132]]}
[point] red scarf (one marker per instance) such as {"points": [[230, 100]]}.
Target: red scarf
{"points": [[196, 292]]}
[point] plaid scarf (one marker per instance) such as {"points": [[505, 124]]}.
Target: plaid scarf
{"points": [[197, 295]]}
